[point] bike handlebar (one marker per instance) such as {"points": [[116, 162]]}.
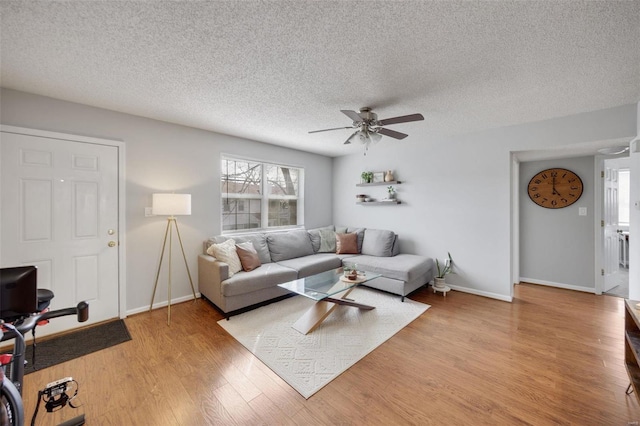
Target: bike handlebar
{"points": [[30, 322]]}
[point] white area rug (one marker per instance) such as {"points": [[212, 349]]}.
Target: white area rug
{"points": [[309, 362]]}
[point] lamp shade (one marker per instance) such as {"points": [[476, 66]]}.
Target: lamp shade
{"points": [[171, 204]]}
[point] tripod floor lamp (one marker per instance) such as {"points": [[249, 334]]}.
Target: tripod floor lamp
{"points": [[171, 205]]}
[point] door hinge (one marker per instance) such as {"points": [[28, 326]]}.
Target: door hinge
{"points": [[602, 223], [602, 173], [602, 272]]}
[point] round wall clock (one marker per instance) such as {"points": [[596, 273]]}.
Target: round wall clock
{"points": [[555, 188]]}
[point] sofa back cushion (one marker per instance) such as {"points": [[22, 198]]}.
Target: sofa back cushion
{"points": [[378, 242], [289, 245], [259, 241]]}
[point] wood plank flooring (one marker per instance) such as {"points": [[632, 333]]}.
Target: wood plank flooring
{"points": [[552, 357]]}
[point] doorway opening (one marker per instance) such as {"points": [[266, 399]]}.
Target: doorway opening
{"points": [[617, 177]]}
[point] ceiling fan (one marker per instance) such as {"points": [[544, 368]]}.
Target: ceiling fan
{"points": [[369, 129]]}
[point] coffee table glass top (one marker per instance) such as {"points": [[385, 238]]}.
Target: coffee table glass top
{"points": [[326, 284]]}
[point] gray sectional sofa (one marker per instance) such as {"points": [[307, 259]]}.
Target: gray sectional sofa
{"points": [[299, 253]]}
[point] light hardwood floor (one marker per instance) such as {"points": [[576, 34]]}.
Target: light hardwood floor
{"points": [[551, 357]]}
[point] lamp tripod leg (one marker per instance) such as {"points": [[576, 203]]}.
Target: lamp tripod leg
{"points": [[164, 245], [171, 221], [193, 290]]}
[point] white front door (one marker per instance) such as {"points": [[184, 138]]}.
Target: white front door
{"points": [[60, 212], [611, 238]]}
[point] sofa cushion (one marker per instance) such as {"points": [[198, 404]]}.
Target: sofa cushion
{"points": [[404, 267], [289, 245], [396, 246], [314, 264], [226, 252], [259, 241], [248, 256], [347, 243], [378, 242], [266, 276], [327, 241], [314, 234]]}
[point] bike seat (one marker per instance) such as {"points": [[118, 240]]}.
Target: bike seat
{"points": [[44, 298]]}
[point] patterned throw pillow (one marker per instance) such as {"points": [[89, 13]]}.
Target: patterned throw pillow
{"points": [[226, 252], [327, 241], [248, 256], [347, 243]]}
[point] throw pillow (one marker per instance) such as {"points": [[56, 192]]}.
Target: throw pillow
{"points": [[327, 241], [226, 252], [347, 243], [248, 256]]}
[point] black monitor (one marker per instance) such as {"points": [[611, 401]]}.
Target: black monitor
{"points": [[18, 292]]}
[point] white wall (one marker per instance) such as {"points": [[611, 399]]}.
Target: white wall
{"points": [[163, 157], [557, 246], [457, 193]]}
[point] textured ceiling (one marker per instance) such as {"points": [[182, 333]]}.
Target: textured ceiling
{"points": [[272, 71]]}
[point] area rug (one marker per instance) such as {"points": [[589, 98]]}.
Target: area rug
{"points": [[73, 345], [309, 362]]}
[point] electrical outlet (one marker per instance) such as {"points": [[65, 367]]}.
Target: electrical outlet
{"points": [[582, 211], [148, 212]]}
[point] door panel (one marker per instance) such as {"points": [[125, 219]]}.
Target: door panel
{"points": [[59, 199], [611, 244]]}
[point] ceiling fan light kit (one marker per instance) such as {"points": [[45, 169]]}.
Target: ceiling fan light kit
{"points": [[369, 130]]}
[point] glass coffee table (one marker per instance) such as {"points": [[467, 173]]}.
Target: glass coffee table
{"points": [[329, 289]]}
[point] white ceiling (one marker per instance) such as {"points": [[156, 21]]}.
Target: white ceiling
{"points": [[272, 71]]}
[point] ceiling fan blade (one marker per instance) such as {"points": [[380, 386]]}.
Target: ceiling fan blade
{"points": [[392, 133], [348, 141], [352, 115], [401, 119], [335, 128]]}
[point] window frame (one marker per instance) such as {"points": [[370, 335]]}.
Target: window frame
{"points": [[263, 196]]}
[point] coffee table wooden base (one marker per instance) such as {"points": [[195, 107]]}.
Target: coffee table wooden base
{"points": [[322, 309]]}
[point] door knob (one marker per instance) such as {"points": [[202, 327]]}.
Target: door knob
{"points": [[112, 244]]}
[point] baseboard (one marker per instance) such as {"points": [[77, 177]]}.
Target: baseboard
{"points": [[162, 304], [558, 285], [481, 293]]}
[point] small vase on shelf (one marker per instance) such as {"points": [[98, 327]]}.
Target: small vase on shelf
{"points": [[388, 177]]}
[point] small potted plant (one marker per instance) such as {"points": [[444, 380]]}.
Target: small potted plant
{"points": [[351, 272], [442, 270], [392, 192], [367, 177]]}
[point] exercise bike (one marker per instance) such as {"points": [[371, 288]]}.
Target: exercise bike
{"points": [[15, 326]]}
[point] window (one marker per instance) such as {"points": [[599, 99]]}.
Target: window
{"points": [[259, 195]]}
